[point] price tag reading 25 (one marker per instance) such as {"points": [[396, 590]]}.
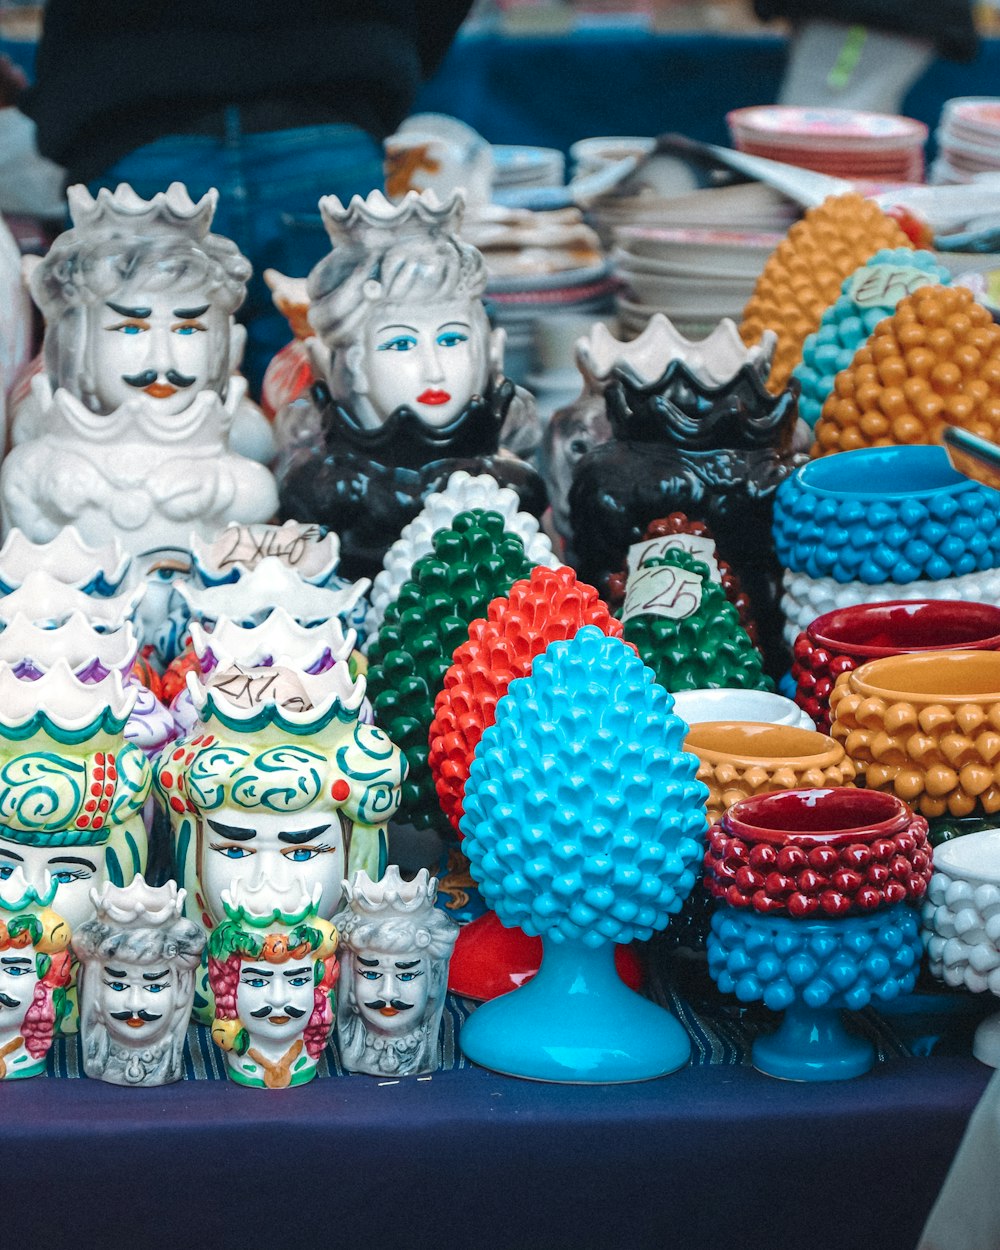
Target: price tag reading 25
{"points": [[662, 590]]}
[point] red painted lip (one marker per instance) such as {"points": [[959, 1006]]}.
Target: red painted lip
{"points": [[135, 1022], [433, 397], [160, 390], [389, 1011], [278, 1019]]}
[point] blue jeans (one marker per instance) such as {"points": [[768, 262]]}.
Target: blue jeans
{"points": [[269, 187]]}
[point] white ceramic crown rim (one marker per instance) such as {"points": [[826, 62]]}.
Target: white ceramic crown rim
{"points": [[278, 633], [375, 210], [138, 903], [124, 207], [199, 547], [109, 559], [67, 703], [258, 901], [391, 893], [24, 640], [334, 686], [56, 599], [262, 588]]}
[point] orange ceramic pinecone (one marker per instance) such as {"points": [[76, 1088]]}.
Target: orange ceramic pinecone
{"points": [[934, 362], [803, 275]]}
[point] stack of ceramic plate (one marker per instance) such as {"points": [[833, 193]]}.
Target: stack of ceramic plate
{"points": [[968, 139], [696, 277], [521, 167], [846, 143]]}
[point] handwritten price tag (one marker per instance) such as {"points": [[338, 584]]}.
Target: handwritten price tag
{"points": [[252, 688], [662, 590], [701, 548], [249, 544], [883, 286]]}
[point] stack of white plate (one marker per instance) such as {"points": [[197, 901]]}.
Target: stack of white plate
{"points": [[517, 167], [968, 139], [695, 276]]}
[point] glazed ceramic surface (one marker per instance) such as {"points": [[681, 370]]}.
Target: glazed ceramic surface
{"points": [[273, 971], [576, 1021], [267, 586], [311, 551], [961, 920], [924, 726], [138, 957], [839, 641], [695, 706], [395, 948], [34, 976], [67, 558]]}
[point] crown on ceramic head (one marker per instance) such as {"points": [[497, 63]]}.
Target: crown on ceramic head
{"points": [[375, 221], [60, 700], [17, 894], [238, 548], [138, 903], [67, 558], [45, 600], [392, 893], [280, 694], [25, 644], [255, 596], [168, 212], [266, 903], [278, 637]]}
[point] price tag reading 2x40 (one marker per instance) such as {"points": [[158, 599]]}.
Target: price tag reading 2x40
{"points": [[662, 590]]}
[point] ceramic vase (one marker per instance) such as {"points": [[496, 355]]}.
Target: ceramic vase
{"points": [[961, 925], [839, 641], [811, 925], [926, 727], [558, 849], [858, 527]]}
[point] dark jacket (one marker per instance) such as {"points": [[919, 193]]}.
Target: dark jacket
{"points": [[112, 75], [947, 24]]}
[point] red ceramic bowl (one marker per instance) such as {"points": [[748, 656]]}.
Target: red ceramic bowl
{"points": [[841, 640], [818, 853]]}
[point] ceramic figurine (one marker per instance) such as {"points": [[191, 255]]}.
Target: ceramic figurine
{"points": [[411, 375], [435, 152], [395, 948], [584, 825], [98, 571], [138, 957], [289, 373], [310, 550], [49, 603], [703, 437], [273, 971], [277, 782], [136, 407]]}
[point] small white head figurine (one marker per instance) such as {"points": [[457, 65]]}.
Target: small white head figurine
{"points": [[139, 298], [136, 983], [398, 308], [396, 946]]}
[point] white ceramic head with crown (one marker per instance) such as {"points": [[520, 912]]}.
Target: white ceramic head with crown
{"points": [[395, 949], [398, 311]]}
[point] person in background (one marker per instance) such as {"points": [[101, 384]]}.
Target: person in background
{"points": [[273, 104], [866, 54]]}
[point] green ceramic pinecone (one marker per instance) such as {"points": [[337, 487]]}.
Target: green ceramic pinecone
{"points": [[474, 562], [708, 648]]}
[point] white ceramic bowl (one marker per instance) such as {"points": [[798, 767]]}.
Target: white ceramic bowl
{"points": [[696, 706]]}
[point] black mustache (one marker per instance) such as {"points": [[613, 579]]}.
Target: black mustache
{"points": [[378, 1003], [141, 1014], [149, 376], [7, 1001], [296, 1013]]}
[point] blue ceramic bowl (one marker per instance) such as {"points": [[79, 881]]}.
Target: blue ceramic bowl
{"points": [[886, 514]]}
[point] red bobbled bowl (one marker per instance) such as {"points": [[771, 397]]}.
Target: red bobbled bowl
{"points": [[818, 853], [839, 641]]}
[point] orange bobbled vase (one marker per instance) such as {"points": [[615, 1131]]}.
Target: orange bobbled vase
{"points": [[552, 604], [935, 362], [804, 273], [925, 726]]}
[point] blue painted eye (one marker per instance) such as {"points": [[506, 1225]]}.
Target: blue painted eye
{"points": [[155, 989], [408, 976], [401, 343], [17, 972], [5, 871], [188, 329], [299, 980], [129, 329], [369, 975], [254, 982], [117, 986], [233, 852], [451, 339], [66, 875], [301, 854]]}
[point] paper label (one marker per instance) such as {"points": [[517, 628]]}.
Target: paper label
{"points": [[662, 590], [697, 545], [249, 544], [256, 687], [883, 286]]}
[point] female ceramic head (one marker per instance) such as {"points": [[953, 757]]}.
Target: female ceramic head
{"points": [[139, 299], [397, 306], [273, 972], [34, 973], [138, 958], [396, 948]]}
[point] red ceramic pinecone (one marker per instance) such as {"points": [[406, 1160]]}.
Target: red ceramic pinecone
{"points": [[815, 671], [552, 604], [819, 880]]}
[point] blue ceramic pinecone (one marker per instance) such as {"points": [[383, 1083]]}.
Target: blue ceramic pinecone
{"points": [[845, 326], [854, 537], [824, 963], [583, 818]]}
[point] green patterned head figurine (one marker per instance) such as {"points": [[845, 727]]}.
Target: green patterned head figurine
{"points": [[71, 789], [278, 782]]}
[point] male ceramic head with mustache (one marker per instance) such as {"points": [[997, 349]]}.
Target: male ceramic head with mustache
{"points": [[139, 300]]}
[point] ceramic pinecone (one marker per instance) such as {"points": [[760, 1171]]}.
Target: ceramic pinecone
{"points": [[551, 604], [730, 780], [932, 534], [961, 928], [473, 562], [815, 672], [583, 819], [708, 648], [804, 273], [846, 325], [845, 962], [935, 362], [938, 759], [812, 881]]}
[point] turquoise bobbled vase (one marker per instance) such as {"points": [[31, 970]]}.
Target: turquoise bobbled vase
{"points": [[584, 825]]}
